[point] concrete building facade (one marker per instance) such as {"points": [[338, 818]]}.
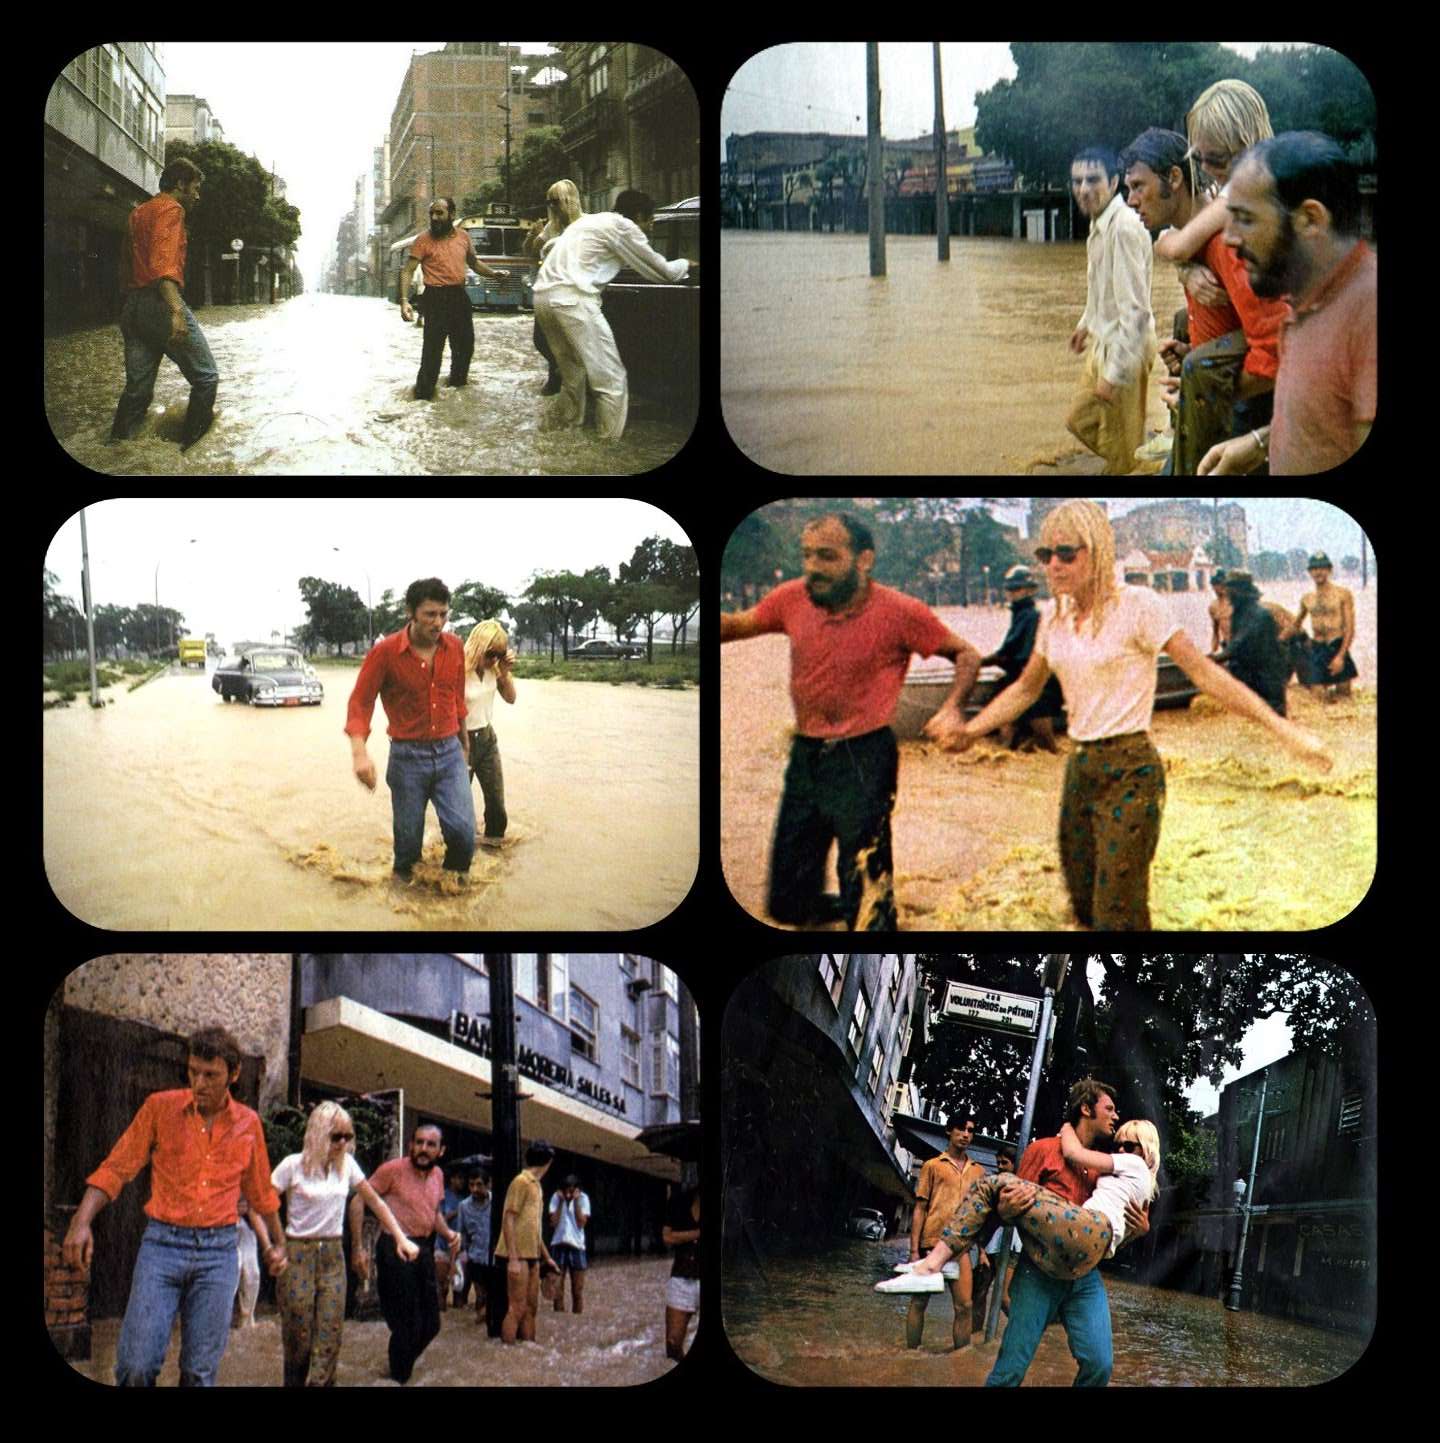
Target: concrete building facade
{"points": [[189, 118]]}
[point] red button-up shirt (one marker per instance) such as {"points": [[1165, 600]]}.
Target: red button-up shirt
{"points": [[424, 700], [1045, 1163], [157, 242], [196, 1177]]}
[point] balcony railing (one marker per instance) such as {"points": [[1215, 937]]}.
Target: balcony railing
{"points": [[600, 117]]}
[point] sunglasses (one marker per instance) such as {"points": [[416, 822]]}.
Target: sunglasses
{"points": [[1215, 162], [1128, 1146], [1067, 554], [342, 1137], [493, 655]]}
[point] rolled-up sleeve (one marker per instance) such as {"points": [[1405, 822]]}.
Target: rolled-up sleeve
{"points": [[129, 1155], [255, 1181], [630, 245], [362, 699]]}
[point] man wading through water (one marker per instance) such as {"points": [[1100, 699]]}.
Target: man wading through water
{"points": [[443, 253]]}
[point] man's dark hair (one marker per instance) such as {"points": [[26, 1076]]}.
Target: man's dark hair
{"points": [[1085, 1093], [1160, 150], [180, 171], [1101, 155], [632, 204], [430, 589], [448, 201], [211, 1042], [427, 1127], [1004, 1152], [1305, 165], [539, 1151], [958, 1119], [861, 537]]}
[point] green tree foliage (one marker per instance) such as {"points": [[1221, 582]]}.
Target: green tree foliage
{"points": [[535, 165], [569, 601], [473, 601], [389, 613], [663, 580], [755, 550], [63, 622], [1067, 96], [335, 614]]}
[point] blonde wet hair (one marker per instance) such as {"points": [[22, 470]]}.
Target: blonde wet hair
{"points": [[483, 636], [1232, 114], [1085, 521], [562, 201], [315, 1157], [1145, 1134]]}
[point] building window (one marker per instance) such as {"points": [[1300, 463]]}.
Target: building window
{"points": [[474, 960], [629, 965], [525, 970], [856, 1035], [659, 1014], [597, 81], [584, 1024], [669, 983], [895, 981], [630, 1056], [877, 1063], [664, 1066], [1274, 1141], [558, 988], [1352, 1111], [832, 974]]}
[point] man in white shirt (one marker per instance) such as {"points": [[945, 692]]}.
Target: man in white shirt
{"points": [[1117, 331], [569, 1215], [577, 267]]}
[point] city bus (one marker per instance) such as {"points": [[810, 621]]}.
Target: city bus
{"points": [[498, 237]]}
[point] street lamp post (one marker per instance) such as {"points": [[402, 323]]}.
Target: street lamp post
{"points": [[1232, 1302]]}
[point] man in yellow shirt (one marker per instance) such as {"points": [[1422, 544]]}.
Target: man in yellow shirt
{"points": [[521, 1245]]}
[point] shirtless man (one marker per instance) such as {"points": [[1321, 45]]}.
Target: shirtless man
{"points": [[1331, 610], [1219, 613], [944, 1181]]}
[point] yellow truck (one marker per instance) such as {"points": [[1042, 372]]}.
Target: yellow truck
{"points": [[192, 649]]}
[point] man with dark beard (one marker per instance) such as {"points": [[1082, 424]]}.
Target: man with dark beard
{"points": [[413, 1188], [1294, 217], [443, 253], [851, 640], [1254, 653]]}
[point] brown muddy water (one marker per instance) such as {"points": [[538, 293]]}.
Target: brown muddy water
{"points": [[933, 369], [1252, 838], [618, 1341], [321, 386], [170, 809], [814, 1322]]}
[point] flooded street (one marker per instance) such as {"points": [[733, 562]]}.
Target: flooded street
{"points": [[321, 386], [974, 833], [812, 1322], [934, 369], [171, 809], [618, 1341]]}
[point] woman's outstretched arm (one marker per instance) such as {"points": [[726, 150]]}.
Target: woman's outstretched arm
{"points": [[1077, 1155]]}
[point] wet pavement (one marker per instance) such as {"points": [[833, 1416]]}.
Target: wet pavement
{"points": [[321, 386], [618, 1341], [815, 1321]]}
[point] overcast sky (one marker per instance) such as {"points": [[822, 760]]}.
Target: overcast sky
{"points": [[239, 575], [314, 111], [821, 86]]}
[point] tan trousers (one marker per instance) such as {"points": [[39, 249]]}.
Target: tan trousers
{"points": [[1111, 429]]}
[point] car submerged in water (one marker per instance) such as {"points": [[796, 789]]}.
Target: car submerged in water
{"points": [[268, 676], [866, 1223]]}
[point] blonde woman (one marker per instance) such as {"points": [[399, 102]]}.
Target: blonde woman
{"points": [[316, 1184], [487, 672], [562, 205], [1063, 1239], [1102, 640]]}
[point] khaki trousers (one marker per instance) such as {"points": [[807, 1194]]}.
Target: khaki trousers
{"points": [[1111, 429]]}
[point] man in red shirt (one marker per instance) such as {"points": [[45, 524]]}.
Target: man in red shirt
{"points": [[155, 321], [443, 253], [851, 640], [413, 1187], [419, 675], [1223, 377], [1037, 1300], [1294, 215], [204, 1150]]}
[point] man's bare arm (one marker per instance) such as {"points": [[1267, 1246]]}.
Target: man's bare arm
{"points": [[739, 625], [407, 274]]}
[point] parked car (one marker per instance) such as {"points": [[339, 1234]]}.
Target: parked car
{"points": [[657, 325], [604, 650], [268, 676], [866, 1223]]}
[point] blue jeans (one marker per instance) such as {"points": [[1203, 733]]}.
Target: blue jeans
{"points": [[1037, 1301], [420, 772], [190, 1271], [145, 325]]}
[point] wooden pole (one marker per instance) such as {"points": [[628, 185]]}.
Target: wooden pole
{"points": [[876, 163], [942, 184]]}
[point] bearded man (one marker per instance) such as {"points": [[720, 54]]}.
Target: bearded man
{"points": [[442, 253], [851, 640]]}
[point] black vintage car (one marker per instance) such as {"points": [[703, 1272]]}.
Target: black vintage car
{"points": [[604, 651], [268, 676], [657, 325]]}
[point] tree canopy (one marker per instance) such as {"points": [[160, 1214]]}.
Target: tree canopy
{"points": [[535, 165], [235, 199]]}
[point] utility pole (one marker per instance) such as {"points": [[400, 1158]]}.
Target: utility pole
{"points": [[876, 161], [1232, 1302], [942, 182], [89, 611], [504, 1112], [689, 1076]]}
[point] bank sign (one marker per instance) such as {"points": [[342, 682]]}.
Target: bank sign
{"points": [[473, 1034], [998, 1011]]}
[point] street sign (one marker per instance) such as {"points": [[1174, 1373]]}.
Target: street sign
{"points": [[228, 256], [237, 244], [997, 1011]]}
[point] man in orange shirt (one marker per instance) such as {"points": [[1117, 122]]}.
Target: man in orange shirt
{"points": [[443, 253], [204, 1150], [155, 321]]}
